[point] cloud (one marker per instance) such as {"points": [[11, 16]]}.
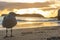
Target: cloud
{"points": [[46, 5]]}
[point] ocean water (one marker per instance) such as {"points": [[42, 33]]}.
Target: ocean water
{"points": [[32, 22], [1, 19]]}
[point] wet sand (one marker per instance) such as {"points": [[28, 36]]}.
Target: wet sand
{"points": [[39, 33], [32, 31]]}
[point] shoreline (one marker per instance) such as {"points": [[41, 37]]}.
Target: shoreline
{"points": [[32, 27]]}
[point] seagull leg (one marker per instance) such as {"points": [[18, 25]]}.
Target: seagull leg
{"points": [[6, 33], [11, 33]]}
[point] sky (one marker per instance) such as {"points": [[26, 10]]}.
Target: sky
{"points": [[28, 1], [54, 3]]}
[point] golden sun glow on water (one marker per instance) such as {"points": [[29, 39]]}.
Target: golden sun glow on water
{"points": [[33, 11]]}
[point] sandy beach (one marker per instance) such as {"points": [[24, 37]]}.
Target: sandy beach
{"points": [[31, 31], [39, 33]]}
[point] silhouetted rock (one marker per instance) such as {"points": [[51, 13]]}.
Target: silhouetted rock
{"points": [[4, 15], [59, 14], [30, 15]]}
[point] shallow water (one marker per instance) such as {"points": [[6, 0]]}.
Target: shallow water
{"points": [[33, 22]]}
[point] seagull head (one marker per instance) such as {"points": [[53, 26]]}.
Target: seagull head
{"points": [[12, 13]]}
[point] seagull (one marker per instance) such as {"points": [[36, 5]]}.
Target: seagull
{"points": [[9, 21]]}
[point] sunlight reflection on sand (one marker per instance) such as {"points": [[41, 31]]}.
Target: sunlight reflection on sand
{"points": [[36, 24]]}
